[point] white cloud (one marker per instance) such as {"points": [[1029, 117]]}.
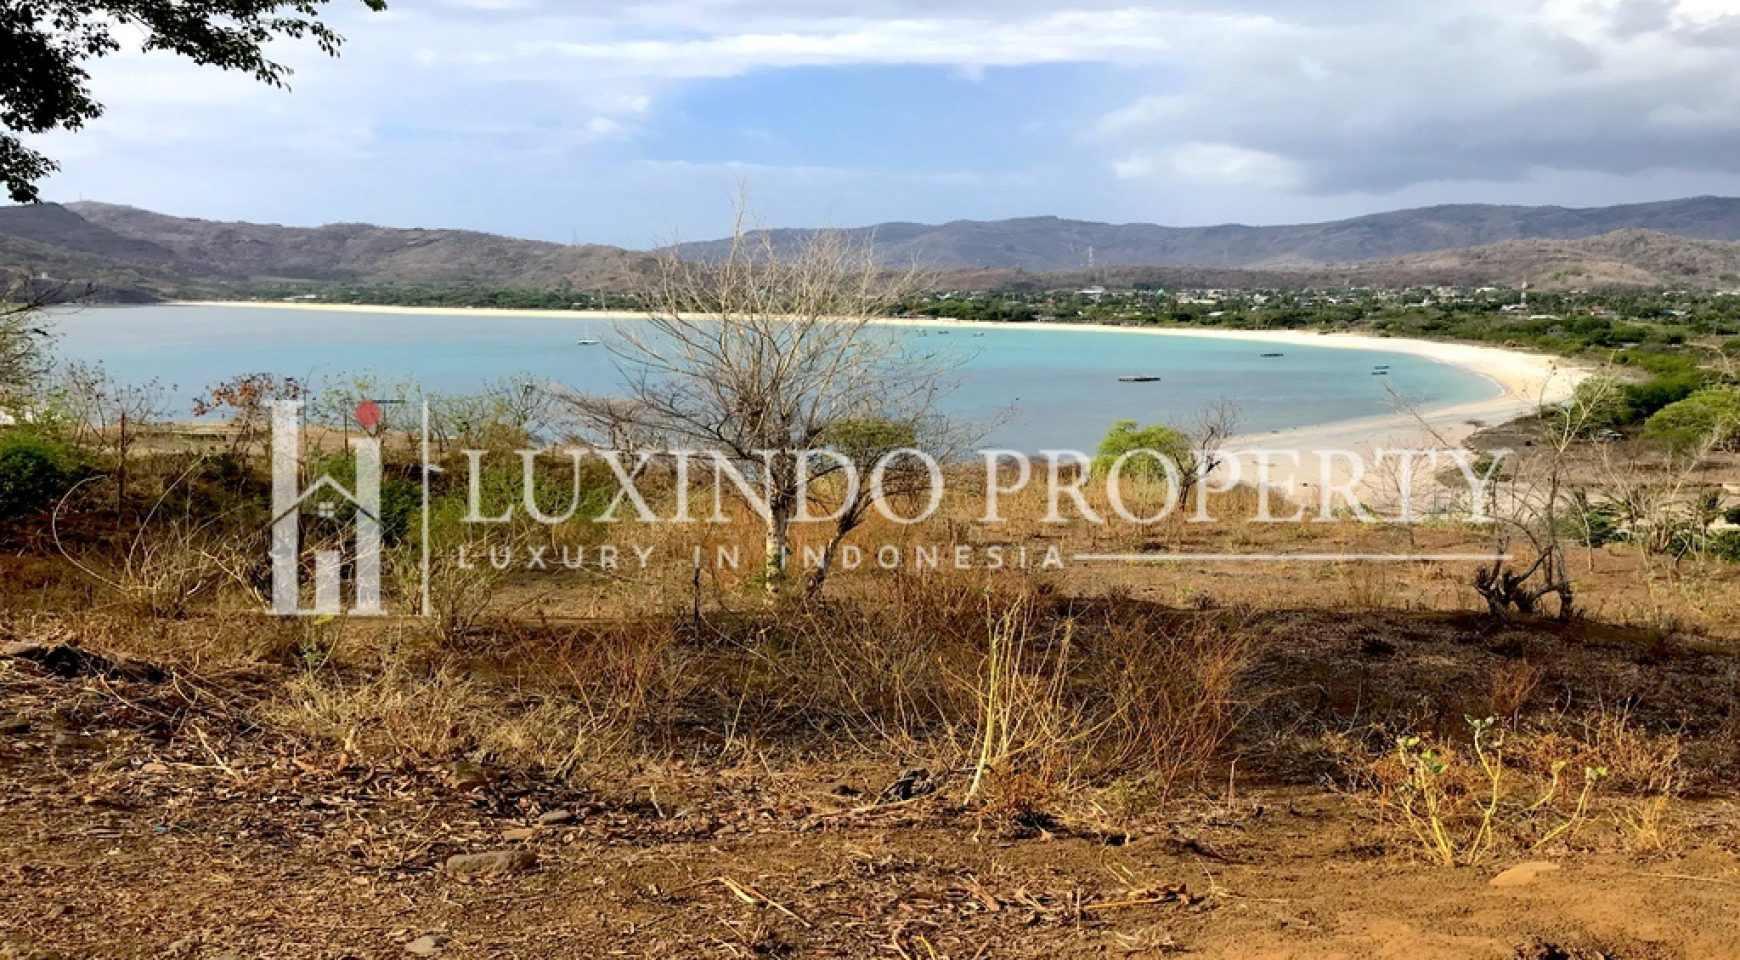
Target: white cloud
{"points": [[1474, 90], [1200, 109], [1219, 164]]}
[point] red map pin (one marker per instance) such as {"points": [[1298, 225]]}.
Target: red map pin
{"points": [[368, 413]]}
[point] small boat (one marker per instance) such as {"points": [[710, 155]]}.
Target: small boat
{"points": [[1381, 366], [1138, 379], [1380, 373], [588, 343], [1274, 355]]}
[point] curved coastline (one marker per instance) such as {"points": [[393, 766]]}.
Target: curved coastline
{"points": [[1524, 380]]}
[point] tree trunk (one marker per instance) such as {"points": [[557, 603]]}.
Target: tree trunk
{"points": [[778, 552]]}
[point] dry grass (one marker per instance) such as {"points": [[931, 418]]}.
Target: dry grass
{"points": [[1513, 789]]}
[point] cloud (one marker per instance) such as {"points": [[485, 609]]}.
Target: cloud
{"points": [[1212, 163], [1476, 90], [1191, 110]]}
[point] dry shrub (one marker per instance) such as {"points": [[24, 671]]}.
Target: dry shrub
{"points": [[1528, 790], [534, 699], [1636, 760], [171, 568], [1511, 685], [400, 715]]}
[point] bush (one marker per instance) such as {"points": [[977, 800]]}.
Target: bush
{"points": [[35, 471], [1687, 424], [1599, 526], [1149, 443], [1733, 516], [1642, 400], [1725, 546]]}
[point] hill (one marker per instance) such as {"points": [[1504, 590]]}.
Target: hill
{"points": [[133, 254], [1050, 243], [122, 245], [1624, 258]]}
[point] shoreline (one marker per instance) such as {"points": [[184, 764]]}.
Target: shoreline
{"points": [[1524, 380]]}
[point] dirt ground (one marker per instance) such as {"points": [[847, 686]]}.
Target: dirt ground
{"points": [[150, 814]]}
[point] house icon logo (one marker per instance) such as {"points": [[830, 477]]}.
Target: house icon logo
{"points": [[325, 495]]}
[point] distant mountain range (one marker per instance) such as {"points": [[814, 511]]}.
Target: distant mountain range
{"points": [[138, 254], [1050, 243]]}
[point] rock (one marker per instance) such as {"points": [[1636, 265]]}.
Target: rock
{"points": [[70, 662], [518, 834], [555, 818], [466, 775], [426, 945], [13, 725], [68, 740], [1523, 874], [911, 783], [493, 862]]}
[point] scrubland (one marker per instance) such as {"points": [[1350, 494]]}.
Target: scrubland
{"points": [[672, 759]]}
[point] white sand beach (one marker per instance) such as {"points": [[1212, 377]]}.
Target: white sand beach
{"points": [[1522, 380]]}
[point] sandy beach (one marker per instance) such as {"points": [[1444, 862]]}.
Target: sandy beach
{"points": [[1522, 381]]}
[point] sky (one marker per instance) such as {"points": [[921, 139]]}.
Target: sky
{"points": [[636, 122]]}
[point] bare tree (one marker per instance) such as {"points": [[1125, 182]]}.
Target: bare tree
{"points": [[22, 354], [1534, 503], [761, 355], [113, 415], [1216, 424], [248, 400]]}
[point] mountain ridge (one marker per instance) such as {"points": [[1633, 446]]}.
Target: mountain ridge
{"points": [[1054, 243], [132, 253]]}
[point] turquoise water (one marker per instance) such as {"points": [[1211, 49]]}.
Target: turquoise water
{"points": [[1044, 388]]}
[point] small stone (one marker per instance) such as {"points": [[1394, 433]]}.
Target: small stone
{"points": [[495, 861], [14, 725], [466, 775], [426, 945], [555, 818], [1523, 874], [518, 834]]}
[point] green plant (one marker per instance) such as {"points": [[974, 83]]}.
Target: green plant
{"points": [[1710, 415], [1724, 546], [1459, 810], [1147, 449], [1425, 799], [35, 470]]}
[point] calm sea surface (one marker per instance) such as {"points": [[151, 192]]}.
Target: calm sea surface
{"points": [[1051, 388]]}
